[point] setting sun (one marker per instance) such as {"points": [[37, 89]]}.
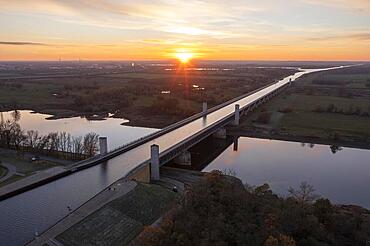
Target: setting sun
{"points": [[184, 57]]}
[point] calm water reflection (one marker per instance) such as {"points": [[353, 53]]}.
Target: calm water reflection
{"points": [[342, 177], [77, 126]]}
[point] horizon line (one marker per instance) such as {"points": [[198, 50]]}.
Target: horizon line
{"points": [[171, 60]]}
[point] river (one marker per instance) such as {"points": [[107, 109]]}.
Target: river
{"points": [[342, 176], [109, 127]]}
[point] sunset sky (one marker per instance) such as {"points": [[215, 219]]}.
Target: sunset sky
{"points": [[157, 29]]}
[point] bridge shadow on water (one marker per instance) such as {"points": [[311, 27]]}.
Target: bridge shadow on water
{"points": [[203, 153]]}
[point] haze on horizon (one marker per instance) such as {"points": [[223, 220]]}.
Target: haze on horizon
{"points": [[158, 29]]}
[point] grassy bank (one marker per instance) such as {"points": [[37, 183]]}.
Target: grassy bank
{"points": [[120, 221]]}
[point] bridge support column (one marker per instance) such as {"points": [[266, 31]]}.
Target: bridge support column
{"points": [[237, 115], [154, 162], [236, 143], [103, 145], [221, 133], [205, 108], [183, 159]]}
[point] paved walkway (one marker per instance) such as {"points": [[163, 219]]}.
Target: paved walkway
{"points": [[170, 177], [11, 171], [180, 177], [111, 193], [32, 179]]}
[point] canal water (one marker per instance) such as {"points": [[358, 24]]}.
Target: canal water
{"points": [[340, 175]]}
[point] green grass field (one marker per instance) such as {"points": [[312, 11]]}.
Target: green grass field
{"points": [[307, 123], [301, 102], [351, 79], [295, 112], [24, 167]]}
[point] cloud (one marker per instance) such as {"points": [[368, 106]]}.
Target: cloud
{"points": [[190, 18], [361, 5], [343, 36], [22, 43]]}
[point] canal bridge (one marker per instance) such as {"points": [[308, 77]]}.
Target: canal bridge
{"points": [[140, 160], [143, 157]]}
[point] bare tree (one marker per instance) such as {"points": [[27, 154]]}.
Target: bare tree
{"points": [[58, 144], [77, 146], [32, 139], [90, 144], [304, 195]]}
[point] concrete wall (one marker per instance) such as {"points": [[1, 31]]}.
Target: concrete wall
{"points": [[183, 159], [220, 133], [142, 175]]}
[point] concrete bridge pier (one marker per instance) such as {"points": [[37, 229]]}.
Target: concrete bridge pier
{"points": [[236, 143], [237, 115], [220, 133], [103, 145], [154, 162], [183, 159], [205, 108]]}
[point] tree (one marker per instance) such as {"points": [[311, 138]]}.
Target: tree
{"points": [[32, 139], [90, 144], [304, 195], [77, 146]]}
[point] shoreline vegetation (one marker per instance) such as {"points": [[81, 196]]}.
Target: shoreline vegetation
{"points": [[220, 210], [56, 144]]}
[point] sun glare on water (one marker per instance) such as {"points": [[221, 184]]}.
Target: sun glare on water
{"points": [[184, 57]]}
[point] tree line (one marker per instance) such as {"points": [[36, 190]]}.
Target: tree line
{"points": [[220, 210], [57, 144]]}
